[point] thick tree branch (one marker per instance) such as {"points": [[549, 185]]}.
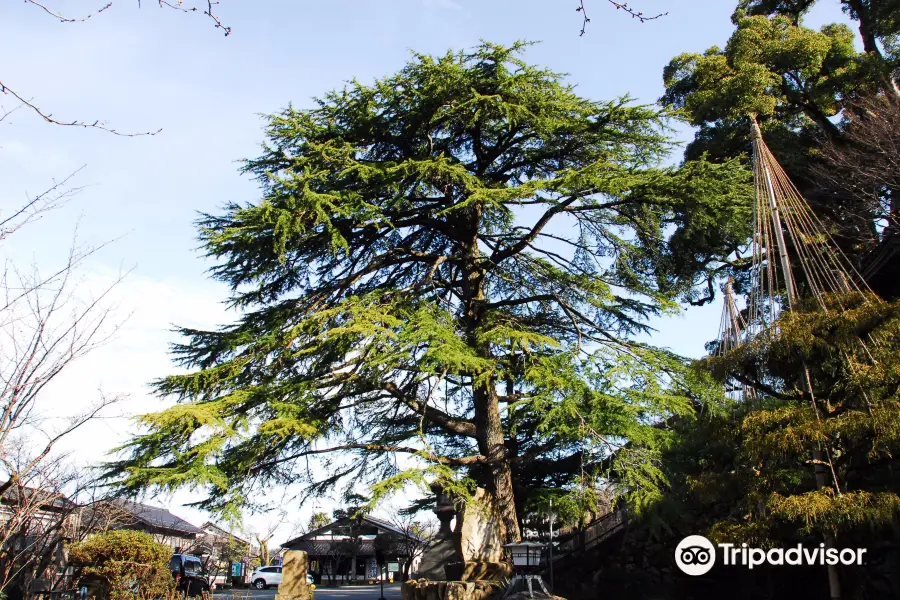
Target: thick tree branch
{"points": [[438, 417], [380, 448], [502, 255]]}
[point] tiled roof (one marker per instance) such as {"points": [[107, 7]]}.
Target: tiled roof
{"points": [[155, 516], [324, 547], [387, 525], [373, 521], [210, 527], [47, 498]]}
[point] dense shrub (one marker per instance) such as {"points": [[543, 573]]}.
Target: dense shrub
{"points": [[124, 564]]}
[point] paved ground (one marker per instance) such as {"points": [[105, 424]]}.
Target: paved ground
{"points": [[345, 592]]}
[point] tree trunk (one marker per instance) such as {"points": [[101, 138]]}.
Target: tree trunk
{"points": [[870, 45], [488, 424], [491, 444], [834, 581]]}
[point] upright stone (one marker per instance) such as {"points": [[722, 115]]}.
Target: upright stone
{"points": [[439, 554], [443, 549], [293, 577], [479, 530]]}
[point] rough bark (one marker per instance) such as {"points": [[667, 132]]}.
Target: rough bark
{"points": [[489, 432]]}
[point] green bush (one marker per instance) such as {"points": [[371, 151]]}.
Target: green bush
{"points": [[124, 565]]}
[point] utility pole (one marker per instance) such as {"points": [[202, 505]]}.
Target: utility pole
{"points": [[552, 586], [381, 560]]}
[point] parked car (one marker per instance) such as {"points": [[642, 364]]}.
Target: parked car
{"points": [[263, 577], [188, 573]]}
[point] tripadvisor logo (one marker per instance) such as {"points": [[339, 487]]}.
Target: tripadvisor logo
{"points": [[696, 555]]}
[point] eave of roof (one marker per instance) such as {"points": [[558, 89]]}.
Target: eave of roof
{"points": [[370, 520], [56, 500], [219, 530], [155, 516]]}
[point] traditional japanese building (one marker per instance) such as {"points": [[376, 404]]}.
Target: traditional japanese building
{"points": [[165, 527], [348, 549]]}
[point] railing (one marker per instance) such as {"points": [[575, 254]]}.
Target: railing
{"points": [[604, 527], [594, 534]]}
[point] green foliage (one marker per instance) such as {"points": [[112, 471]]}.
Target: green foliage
{"points": [[878, 19], [129, 563], [231, 551], [446, 265], [752, 470], [770, 67], [792, 77], [573, 506], [317, 520], [824, 510], [798, 81]]}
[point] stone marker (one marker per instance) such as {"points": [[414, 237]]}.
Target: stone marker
{"points": [[477, 540], [442, 549], [479, 531], [293, 577], [439, 553]]}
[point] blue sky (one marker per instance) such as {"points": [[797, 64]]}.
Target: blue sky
{"points": [[140, 70]]}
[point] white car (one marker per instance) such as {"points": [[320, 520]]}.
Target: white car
{"points": [[263, 577]]}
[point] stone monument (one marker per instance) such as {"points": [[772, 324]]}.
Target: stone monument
{"points": [[479, 531], [293, 584], [442, 550], [473, 550]]}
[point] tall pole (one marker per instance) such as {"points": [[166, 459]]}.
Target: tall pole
{"points": [[552, 588], [834, 582], [776, 218]]}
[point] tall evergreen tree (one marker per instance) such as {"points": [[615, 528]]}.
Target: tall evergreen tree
{"points": [[878, 22], [446, 265], [797, 81]]}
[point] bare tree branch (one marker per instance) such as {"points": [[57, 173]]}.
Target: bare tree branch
{"points": [[35, 208], [48, 117], [46, 323], [6, 113], [63, 19], [208, 12], [635, 14], [177, 5], [97, 124]]}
